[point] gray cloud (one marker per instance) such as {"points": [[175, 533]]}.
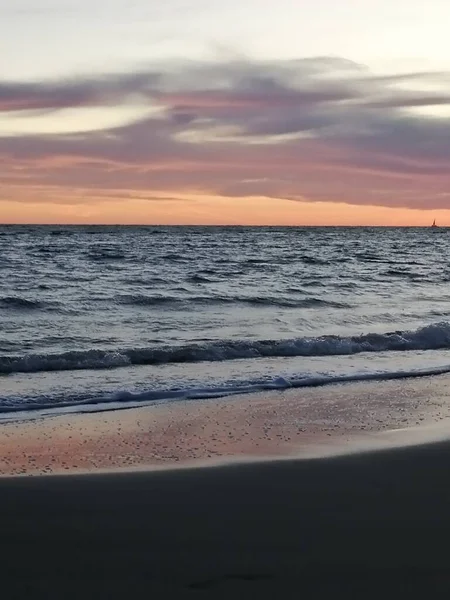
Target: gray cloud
{"points": [[238, 84], [74, 93], [324, 129]]}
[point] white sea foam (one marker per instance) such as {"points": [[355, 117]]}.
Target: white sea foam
{"points": [[125, 399]]}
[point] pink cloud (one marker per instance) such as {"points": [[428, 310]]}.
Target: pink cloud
{"points": [[285, 130]]}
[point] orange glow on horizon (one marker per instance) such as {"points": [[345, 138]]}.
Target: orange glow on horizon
{"points": [[208, 210]]}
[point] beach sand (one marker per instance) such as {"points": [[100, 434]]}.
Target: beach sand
{"points": [[366, 523], [296, 423], [371, 525]]}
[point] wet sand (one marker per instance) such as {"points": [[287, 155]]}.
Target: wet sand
{"points": [[373, 524], [294, 423]]}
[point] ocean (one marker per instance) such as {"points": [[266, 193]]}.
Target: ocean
{"points": [[97, 317]]}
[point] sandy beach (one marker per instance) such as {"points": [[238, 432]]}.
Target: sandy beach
{"points": [[318, 497], [295, 423], [373, 524]]}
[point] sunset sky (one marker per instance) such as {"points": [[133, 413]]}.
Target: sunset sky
{"points": [[250, 111]]}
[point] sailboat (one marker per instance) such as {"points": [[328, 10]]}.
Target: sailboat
{"points": [[434, 223]]}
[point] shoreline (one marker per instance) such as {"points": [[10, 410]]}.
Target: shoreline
{"points": [[314, 422]]}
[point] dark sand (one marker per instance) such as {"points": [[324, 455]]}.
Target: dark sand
{"points": [[371, 525]]}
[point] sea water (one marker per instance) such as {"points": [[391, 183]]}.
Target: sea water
{"points": [[102, 317]]}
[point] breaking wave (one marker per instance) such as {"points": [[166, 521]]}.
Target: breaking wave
{"points": [[430, 337]]}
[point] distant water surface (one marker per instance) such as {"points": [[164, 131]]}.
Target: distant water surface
{"points": [[95, 316]]}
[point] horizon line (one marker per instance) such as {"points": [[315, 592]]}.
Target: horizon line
{"points": [[215, 225]]}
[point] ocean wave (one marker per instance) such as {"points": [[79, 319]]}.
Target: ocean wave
{"points": [[199, 279], [291, 303], [64, 361], [314, 283], [413, 275], [124, 399], [256, 261], [145, 282], [313, 260], [143, 300], [100, 255], [193, 301], [431, 337], [173, 257], [369, 257], [51, 249], [18, 303]]}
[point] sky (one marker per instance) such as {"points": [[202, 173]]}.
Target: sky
{"points": [[294, 112]]}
